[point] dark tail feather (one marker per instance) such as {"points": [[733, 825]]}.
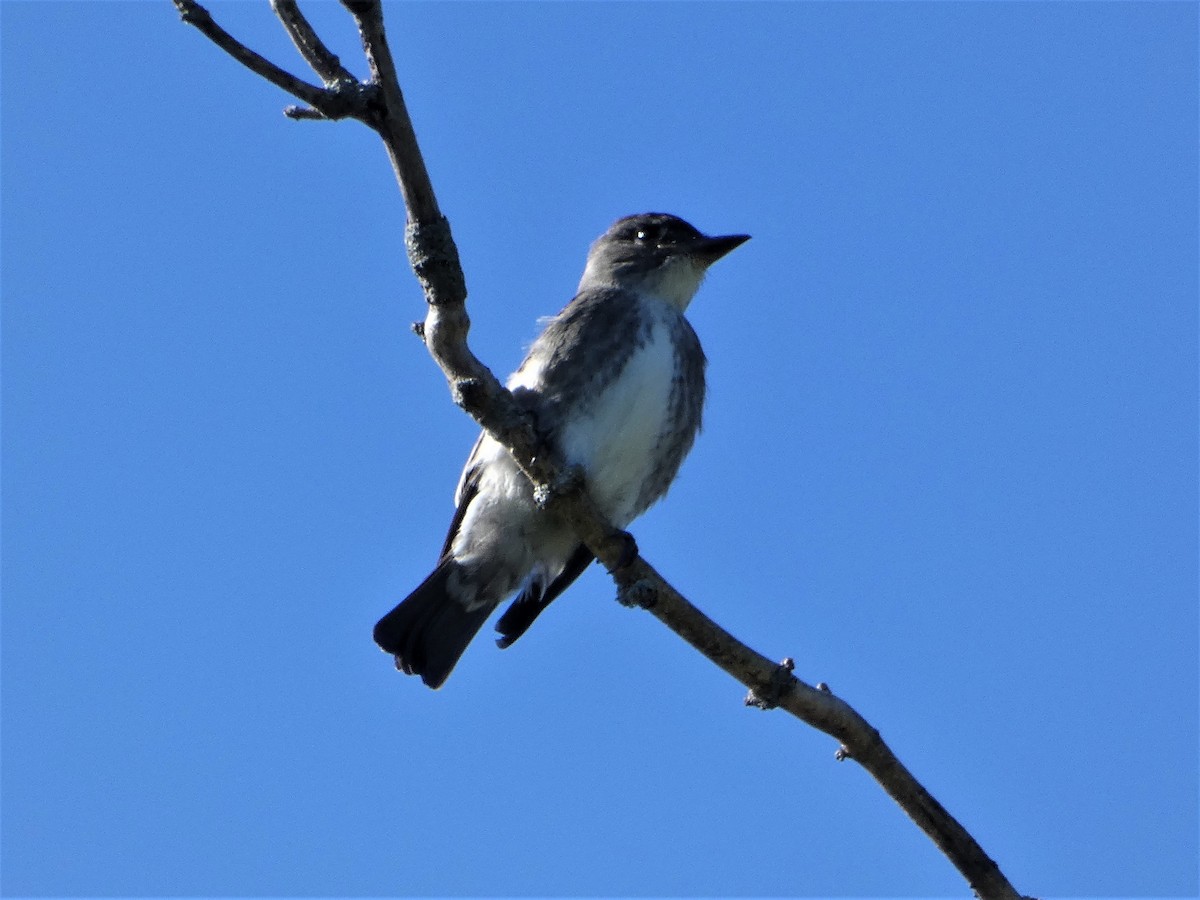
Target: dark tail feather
{"points": [[430, 629], [520, 615], [529, 605]]}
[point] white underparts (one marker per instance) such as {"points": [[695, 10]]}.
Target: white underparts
{"points": [[616, 441]]}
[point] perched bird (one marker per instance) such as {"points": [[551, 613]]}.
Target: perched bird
{"points": [[616, 383]]}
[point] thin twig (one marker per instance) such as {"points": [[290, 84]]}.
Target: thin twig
{"points": [[344, 102], [474, 388], [303, 112], [322, 60]]}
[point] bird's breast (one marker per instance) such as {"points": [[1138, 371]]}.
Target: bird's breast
{"points": [[618, 434]]}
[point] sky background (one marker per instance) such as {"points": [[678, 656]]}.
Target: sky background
{"points": [[949, 459]]}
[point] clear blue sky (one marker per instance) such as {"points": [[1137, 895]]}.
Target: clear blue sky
{"points": [[949, 462]]}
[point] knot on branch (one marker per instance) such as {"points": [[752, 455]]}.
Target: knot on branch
{"points": [[570, 479], [767, 696], [640, 595], [468, 393], [342, 98], [434, 258]]}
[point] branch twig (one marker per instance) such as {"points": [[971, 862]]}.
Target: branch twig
{"points": [[311, 47], [350, 100], [380, 104]]}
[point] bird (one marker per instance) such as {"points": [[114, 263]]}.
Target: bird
{"points": [[616, 384]]}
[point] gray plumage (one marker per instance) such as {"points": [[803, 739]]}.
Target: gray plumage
{"points": [[611, 325], [616, 382]]}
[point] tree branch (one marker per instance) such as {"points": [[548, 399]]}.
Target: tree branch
{"points": [[395, 127], [435, 261], [346, 100], [773, 685], [311, 47]]}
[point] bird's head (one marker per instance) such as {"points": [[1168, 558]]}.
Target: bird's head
{"points": [[655, 253]]}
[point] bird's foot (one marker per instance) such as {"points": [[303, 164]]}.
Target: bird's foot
{"points": [[628, 551]]}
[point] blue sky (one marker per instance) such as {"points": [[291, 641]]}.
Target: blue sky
{"points": [[949, 461]]}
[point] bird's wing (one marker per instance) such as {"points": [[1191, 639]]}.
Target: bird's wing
{"points": [[584, 345], [468, 487]]}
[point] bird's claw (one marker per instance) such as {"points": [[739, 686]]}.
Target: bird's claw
{"points": [[629, 549]]}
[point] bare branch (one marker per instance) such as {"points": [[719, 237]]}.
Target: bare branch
{"points": [[395, 126], [332, 104], [435, 261], [773, 684], [323, 61]]}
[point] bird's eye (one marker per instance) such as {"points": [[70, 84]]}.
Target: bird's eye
{"points": [[640, 235]]}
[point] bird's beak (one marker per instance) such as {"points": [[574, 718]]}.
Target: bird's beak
{"points": [[709, 249]]}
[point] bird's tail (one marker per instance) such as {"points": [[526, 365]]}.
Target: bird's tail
{"points": [[430, 629]]}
